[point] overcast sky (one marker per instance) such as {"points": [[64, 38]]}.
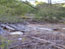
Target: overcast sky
{"points": [[53, 1]]}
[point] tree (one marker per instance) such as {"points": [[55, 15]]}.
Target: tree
{"points": [[48, 13], [13, 10], [50, 2], [13, 7]]}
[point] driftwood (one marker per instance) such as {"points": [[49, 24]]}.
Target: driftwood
{"points": [[10, 28], [6, 27], [49, 42], [43, 41]]}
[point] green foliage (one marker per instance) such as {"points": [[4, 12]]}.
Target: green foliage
{"points": [[50, 13], [11, 10], [3, 43], [13, 7]]}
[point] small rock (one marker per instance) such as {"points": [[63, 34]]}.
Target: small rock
{"points": [[16, 33], [19, 38]]}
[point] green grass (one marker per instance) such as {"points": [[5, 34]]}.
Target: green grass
{"points": [[11, 19]]}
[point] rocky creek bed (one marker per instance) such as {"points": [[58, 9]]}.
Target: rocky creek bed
{"points": [[34, 36]]}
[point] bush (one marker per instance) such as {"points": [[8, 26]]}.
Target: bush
{"points": [[13, 10], [50, 13]]}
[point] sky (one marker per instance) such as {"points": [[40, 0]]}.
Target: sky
{"points": [[53, 1]]}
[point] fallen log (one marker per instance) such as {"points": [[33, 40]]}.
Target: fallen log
{"points": [[10, 28], [6, 27]]}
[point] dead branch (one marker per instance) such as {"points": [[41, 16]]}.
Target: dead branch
{"points": [[46, 41]]}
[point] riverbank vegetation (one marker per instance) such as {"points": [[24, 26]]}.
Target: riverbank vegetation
{"points": [[15, 10]]}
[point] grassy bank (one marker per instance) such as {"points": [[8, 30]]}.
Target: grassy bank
{"points": [[11, 19]]}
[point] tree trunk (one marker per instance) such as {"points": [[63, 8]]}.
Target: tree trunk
{"points": [[49, 2]]}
